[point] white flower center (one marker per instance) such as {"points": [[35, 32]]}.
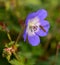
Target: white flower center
{"points": [[33, 26]]}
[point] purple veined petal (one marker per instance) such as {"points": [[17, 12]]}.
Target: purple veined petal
{"points": [[42, 33], [25, 35], [46, 27], [30, 16], [45, 23], [34, 40], [42, 14]]}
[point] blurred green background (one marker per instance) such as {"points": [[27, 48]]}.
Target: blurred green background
{"points": [[13, 13]]}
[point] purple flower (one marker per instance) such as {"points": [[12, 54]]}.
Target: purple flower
{"points": [[36, 26]]}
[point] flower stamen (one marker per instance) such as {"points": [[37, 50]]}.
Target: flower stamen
{"points": [[33, 28]]}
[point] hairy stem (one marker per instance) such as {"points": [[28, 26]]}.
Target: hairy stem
{"points": [[16, 56], [18, 37], [9, 37]]}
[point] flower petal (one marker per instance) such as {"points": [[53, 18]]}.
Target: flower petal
{"points": [[30, 16], [45, 23], [42, 14], [42, 33], [46, 27], [25, 35], [34, 40]]}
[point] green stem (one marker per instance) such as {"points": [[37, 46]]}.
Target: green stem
{"points": [[16, 56], [19, 35], [9, 37], [18, 38]]}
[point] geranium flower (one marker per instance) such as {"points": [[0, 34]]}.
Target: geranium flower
{"points": [[36, 26]]}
